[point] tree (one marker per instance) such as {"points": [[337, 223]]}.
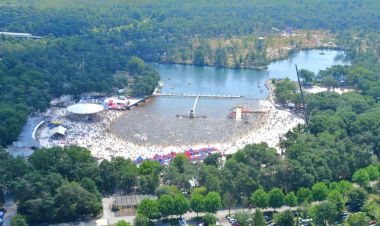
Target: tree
{"points": [[122, 223], [243, 218], [285, 218], [344, 187], [141, 220], [275, 198], [324, 213], [291, 200], [166, 205], [200, 190], [304, 195], [336, 198], [319, 191], [212, 202], [18, 220], [373, 172], [135, 66], [361, 177], [258, 218], [181, 205], [356, 199], [221, 57], [229, 201], [149, 208], [306, 75], [197, 203], [213, 159], [209, 219], [259, 198], [167, 190], [329, 82], [181, 163], [357, 219], [74, 203], [199, 56], [149, 178]]}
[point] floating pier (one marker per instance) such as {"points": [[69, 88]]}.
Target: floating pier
{"points": [[197, 95]]}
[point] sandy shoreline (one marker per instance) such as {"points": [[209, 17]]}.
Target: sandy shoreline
{"points": [[103, 143]]}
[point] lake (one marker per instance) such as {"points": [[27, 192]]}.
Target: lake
{"points": [[156, 119]]}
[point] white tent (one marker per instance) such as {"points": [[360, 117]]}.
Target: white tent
{"points": [[85, 109], [60, 130]]}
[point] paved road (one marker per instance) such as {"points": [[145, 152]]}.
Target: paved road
{"points": [[11, 210]]}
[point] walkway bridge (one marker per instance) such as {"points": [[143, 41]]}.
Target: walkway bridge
{"points": [[196, 95]]}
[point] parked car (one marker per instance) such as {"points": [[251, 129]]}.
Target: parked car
{"points": [[182, 222], [305, 222]]}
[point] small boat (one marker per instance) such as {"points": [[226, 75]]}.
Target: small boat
{"points": [[322, 53]]}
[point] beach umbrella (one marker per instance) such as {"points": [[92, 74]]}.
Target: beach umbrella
{"points": [[156, 157]]}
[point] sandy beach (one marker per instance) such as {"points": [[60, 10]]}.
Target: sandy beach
{"points": [[99, 137]]}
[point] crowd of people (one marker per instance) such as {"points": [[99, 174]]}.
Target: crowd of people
{"points": [[227, 136]]}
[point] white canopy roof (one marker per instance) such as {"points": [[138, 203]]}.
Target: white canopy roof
{"points": [[85, 109], [58, 130]]}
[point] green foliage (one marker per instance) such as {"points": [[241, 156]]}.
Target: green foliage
{"points": [[209, 219], [258, 218], [213, 159], [361, 177], [357, 198], [229, 201], [285, 218], [135, 66], [373, 172], [306, 75], [18, 220], [141, 220], [72, 201], [197, 203], [199, 56], [220, 57], [212, 202], [344, 187], [55, 185], [243, 218], [149, 176], [149, 208], [166, 205], [286, 91], [337, 199], [181, 205], [319, 191], [259, 198], [119, 174], [276, 198], [166, 190], [11, 122], [304, 195], [122, 223], [324, 213], [357, 219], [290, 199]]}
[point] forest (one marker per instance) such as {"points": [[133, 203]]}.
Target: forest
{"points": [[86, 42]]}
